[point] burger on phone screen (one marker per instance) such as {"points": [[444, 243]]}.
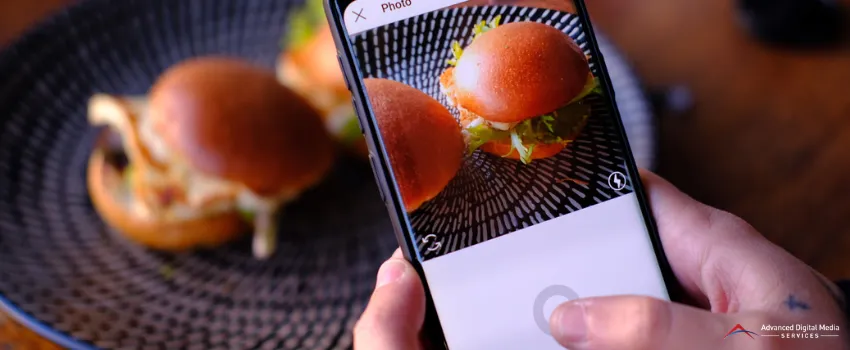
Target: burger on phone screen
{"points": [[520, 89]]}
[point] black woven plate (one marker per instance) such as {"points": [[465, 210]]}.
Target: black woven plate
{"points": [[65, 274]]}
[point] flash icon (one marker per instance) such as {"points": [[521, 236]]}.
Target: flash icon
{"points": [[617, 181]]}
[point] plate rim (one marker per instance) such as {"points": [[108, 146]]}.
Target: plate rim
{"points": [[32, 323], [8, 54]]}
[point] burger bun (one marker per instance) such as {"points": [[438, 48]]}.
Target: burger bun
{"points": [[105, 189], [519, 71], [232, 120], [423, 140]]}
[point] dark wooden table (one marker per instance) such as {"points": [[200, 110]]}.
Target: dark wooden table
{"points": [[768, 138]]}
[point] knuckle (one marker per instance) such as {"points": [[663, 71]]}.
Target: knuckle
{"points": [[655, 314], [726, 222], [646, 318], [736, 222]]}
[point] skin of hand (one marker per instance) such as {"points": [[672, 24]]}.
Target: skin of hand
{"points": [[731, 273]]}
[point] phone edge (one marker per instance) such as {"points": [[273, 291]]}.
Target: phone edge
{"points": [[432, 329]]}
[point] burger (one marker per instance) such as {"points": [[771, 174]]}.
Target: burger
{"points": [[308, 65], [421, 137], [520, 89], [216, 147]]}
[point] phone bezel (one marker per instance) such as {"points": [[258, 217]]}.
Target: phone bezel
{"points": [[381, 165]]}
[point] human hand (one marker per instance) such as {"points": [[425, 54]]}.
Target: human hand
{"points": [[733, 274], [396, 312]]}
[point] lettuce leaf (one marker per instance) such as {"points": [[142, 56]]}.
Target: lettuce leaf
{"points": [[483, 27], [457, 51], [304, 23], [167, 272], [350, 133], [518, 144], [247, 215], [479, 29], [128, 176], [481, 134], [592, 87], [561, 126]]}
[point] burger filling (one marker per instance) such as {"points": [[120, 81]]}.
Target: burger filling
{"points": [[304, 24], [343, 123], [560, 126], [163, 187], [301, 43], [337, 109]]}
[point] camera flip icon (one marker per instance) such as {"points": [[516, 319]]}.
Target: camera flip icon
{"points": [[431, 243]]}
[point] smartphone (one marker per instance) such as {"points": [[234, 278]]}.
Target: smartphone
{"points": [[498, 147]]}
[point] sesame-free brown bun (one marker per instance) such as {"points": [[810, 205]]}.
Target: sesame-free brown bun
{"points": [[423, 140], [518, 71], [234, 121], [109, 196]]}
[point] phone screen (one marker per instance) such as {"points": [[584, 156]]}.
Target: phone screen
{"points": [[505, 147]]}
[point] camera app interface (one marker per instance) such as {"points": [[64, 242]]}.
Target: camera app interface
{"points": [[507, 154]]}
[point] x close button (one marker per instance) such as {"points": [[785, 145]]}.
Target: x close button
{"points": [[358, 15]]}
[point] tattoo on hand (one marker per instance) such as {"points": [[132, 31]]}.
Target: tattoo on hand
{"points": [[796, 304]]}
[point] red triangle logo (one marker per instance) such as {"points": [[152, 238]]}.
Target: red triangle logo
{"points": [[739, 329]]}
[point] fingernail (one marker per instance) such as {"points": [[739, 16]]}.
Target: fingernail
{"points": [[390, 272], [568, 323]]}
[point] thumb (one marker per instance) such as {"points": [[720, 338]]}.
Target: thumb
{"points": [[642, 323], [395, 314]]}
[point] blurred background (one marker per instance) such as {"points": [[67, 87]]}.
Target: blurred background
{"points": [[751, 106]]}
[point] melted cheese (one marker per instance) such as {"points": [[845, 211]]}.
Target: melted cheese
{"points": [[502, 126]]}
